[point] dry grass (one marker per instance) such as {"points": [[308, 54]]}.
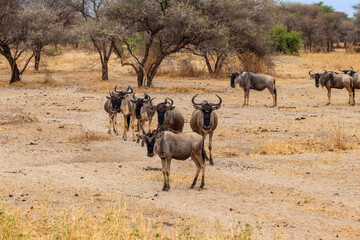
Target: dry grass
{"points": [[87, 135], [11, 119], [113, 223]]}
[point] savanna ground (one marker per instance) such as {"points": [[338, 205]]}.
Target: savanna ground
{"points": [[289, 172]]}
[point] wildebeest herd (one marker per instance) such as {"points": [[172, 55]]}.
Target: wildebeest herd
{"points": [[168, 140]]}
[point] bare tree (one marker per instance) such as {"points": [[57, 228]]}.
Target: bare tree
{"points": [[20, 24]]}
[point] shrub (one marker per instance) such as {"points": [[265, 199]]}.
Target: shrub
{"points": [[284, 41]]}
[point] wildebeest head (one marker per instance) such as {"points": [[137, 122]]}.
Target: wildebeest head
{"points": [[139, 102], [162, 108], [115, 101], [350, 72], [233, 76], [206, 108], [149, 139], [316, 76], [122, 94]]}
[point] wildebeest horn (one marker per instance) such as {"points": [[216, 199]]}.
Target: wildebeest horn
{"points": [[352, 68], [172, 102], [325, 72], [129, 87], [134, 97], [146, 96], [340, 70], [193, 100], [220, 100], [115, 89], [143, 130], [310, 72]]}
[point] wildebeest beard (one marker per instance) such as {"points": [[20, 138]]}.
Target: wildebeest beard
{"points": [[317, 77], [207, 109], [137, 110], [116, 103], [161, 115], [233, 80]]}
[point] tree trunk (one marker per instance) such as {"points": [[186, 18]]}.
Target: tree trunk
{"points": [[152, 71], [37, 55], [328, 46], [15, 74], [105, 70], [208, 64], [140, 77]]}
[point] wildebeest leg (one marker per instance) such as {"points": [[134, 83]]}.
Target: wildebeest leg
{"points": [[244, 98], [133, 117], [125, 127], [110, 121], [210, 147], [196, 161], [247, 96], [164, 172], [273, 94], [329, 96], [114, 123], [351, 96], [167, 172]]}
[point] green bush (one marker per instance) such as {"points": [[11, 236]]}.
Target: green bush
{"points": [[284, 41]]}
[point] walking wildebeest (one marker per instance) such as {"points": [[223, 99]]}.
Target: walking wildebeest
{"points": [[144, 110], [127, 108], [249, 80], [204, 120], [168, 116], [112, 107], [354, 75], [176, 145], [339, 81]]}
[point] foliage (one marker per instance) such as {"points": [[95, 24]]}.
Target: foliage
{"points": [[325, 8], [284, 41]]}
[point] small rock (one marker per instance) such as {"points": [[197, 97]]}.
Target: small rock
{"points": [[231, 209], [76, 195], [31, 143], [10, 195], [82, 177]]}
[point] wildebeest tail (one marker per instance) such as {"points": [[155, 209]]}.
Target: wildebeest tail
{"points": [[203, 154], [128, 122], [274, 87]]}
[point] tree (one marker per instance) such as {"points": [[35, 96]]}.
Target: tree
{"points": [[20, 24], [151, 30], [284, 41], [93, 28]]}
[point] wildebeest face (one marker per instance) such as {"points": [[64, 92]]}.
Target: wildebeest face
{"points": [[149, 139], [317, 78], [115, 102], [161, 109], [206, 111], [233, 76], [139, 103]]}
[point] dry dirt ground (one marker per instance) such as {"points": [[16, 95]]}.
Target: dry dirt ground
{"points": [[292, 170]]}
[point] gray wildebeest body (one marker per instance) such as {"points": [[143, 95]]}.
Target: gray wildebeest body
{"points": [[180, 146], [354, 75], [127, 108], [339, 81], [249, 80], [169, 117], [112, 107], [204, 120], [144, 110]]}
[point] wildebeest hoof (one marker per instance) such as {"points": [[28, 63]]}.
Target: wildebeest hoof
{"points": [[192, 186], [125, 139], [202, 186], [166, 189], [134, 140]]}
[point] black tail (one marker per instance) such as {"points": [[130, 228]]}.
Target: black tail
{"points": [[203, 154], [275, 91], [128, 122]]}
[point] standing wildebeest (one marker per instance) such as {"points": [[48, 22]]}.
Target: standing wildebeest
{"points": [[112, 107], [204, 120], [354, 75], [168, 116], [128, 110], [249, 80], [144, 110], [339, 81], [180, 146]]}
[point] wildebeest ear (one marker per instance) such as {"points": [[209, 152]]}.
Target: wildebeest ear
{"points": [[216, 107], [197, 107], [107, 97]]}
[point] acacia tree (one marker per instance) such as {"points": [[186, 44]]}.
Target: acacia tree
{"points": [[92, 27], [151, 30], [20, 23]]}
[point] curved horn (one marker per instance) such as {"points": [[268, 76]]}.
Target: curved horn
{"points": [[146, 96], [325, 72], [340, 70], [193, 100], [352, 68], [143, 130], [115, 89], [220, 100], [152, 102], [134, 97], [310, 72], [129, 87], [172, 102]]}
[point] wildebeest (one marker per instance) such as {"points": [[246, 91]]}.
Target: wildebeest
{"points": [[144, 111], [112, 107], [168, 116], [127, 108], [339, 81], [204, 120], [176, 145], [249, 80], [354, 75]]}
